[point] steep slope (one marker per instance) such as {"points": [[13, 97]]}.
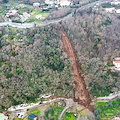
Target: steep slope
{"points": [[81, 93]]}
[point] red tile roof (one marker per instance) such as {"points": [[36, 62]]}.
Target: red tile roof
{"points": [[117, 61]]}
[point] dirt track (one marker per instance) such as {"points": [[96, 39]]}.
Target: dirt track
{"points": [[81, 94]]}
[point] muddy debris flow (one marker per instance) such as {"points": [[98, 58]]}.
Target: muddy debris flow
{"points": [[81, 93]]}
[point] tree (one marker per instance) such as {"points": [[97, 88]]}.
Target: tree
{"points": [[96, 112], [98, 117], [5, 1], [110, 103]]}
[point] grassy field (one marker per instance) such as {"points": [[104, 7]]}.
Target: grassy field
{"points": [[54, 111], [107, 110], [33, 15], [69, 116]]}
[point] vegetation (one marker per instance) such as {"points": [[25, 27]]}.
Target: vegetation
{"points": [[91, 31], [108, 5], [32, 61], [69, 116], [33, 66], [54, 111], [107, 110]]}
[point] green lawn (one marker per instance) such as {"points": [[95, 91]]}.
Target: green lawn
{"points": [[108, 110], [37, 112], [69, 116], [34, 13], [54, 111]]}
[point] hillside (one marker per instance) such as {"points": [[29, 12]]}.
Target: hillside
{"points": [[33, 63], [33, 66], [95, 35]]}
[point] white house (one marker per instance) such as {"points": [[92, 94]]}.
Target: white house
{"points": [[36, 4], [65, 3], [111, 10], [3, 117], [48, 2], [20, 115], [26, 15], [116, 62], [116, 118], [115, 2], [118, 11]]}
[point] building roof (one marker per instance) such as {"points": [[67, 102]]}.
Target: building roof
{"points": [[117, 61], [31, 116], [2, 116]]}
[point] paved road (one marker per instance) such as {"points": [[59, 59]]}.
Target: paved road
{"points": [[29, 25], [69, 103], [29, 106], [110, 97]]}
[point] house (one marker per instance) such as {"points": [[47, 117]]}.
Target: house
{"points": [[111, 9], [36, 4], [118, 11], [116, 62], [32, 117], [26, 15], [65, 3], [3, 117], [115, 2], [116, 118], [48, 2], [38, 16]]}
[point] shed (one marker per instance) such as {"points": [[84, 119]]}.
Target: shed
{"points": [[32, 117], [3, 117]]}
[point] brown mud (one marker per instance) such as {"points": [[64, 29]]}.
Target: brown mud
{"points": [[81, 93]]}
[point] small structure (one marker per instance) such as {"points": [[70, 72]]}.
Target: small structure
{"points": [[36, 4], [115, 2], [38, 16], [32, 117], [3, 117], [65, 3], [116, 118], [111, 10], [118, 11], [48, 2], [26, 15], [20, 115], [116, 62]]}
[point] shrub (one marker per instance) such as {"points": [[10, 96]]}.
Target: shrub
{"points": [[98, 117]]}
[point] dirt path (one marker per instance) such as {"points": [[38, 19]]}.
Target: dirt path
{"points": [[81, 94]]}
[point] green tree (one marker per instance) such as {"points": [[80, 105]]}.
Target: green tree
{"points": [[98, 117], [5, 1]]}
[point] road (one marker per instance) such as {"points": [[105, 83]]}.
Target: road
{"points": [[69, 103], [29, 25], [110, 97], [29, 106]]}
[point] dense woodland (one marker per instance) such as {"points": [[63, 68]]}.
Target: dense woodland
{"points": [[34, 67], [96, 37]]}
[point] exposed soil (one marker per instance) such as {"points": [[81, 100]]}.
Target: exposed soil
{"points": [[81, 93]]}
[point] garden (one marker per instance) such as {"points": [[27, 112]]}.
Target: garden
{"points": [[107, 110]]}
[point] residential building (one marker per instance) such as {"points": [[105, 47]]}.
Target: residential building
{"points": [[48, 2], [118, 11], [32, 117], [111, 10], [65, 3], [3, 117], [116, 62], [36, 4], [115, 2], [26, 15]]}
